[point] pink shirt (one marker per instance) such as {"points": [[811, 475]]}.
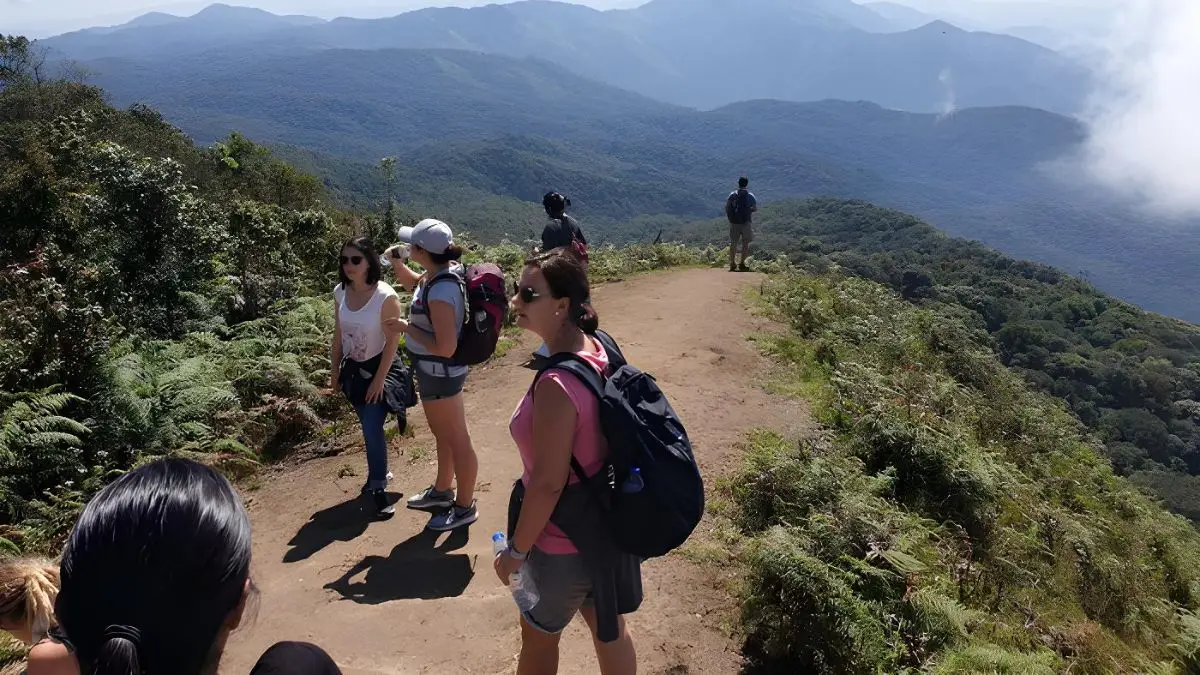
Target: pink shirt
{"points": [[588, 444]]}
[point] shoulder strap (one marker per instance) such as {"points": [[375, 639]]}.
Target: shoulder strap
{"points": [[584, 372], [616, 358], [462, 285]]}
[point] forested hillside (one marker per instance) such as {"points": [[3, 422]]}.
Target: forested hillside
{"points": [[1132, 377], [949, 520], [517, 128], [160, 298]]}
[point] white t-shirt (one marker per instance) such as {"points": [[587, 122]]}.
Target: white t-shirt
{"points": [[363, 337]]}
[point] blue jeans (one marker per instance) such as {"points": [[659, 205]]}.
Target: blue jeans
{"points": [[372, 417]]}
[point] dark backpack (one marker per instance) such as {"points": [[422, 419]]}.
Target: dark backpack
{"points": [[643, 432], [482, 285], [737, 208]]}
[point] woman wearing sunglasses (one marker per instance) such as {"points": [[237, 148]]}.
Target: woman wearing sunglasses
{"points": [[363, 349], [436, 317], [559, 419]]}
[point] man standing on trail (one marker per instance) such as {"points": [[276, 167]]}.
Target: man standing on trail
{"points": [[739, 209]]}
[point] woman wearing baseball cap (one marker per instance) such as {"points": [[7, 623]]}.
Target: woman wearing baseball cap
{"points": [[431, 333]]}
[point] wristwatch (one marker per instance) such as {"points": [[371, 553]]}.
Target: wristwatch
{"points": [[515, 554]]}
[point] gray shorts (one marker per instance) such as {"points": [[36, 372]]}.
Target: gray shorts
{"points": [[438, 387], [743, 233], [563, 585]]}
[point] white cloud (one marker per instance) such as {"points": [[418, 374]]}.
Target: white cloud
{"points": [[1145, 118]]}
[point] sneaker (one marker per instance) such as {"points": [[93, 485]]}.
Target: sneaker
{"points": [[743, 268], [430, 498], [454, 517], [384, 507], [732, 268], [366, 488]]}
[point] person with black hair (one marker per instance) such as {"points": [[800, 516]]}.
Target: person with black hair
{"points": [[562, 231], [155, 576], [436, 318], [364, 354], [557, 421], [740, 207]]}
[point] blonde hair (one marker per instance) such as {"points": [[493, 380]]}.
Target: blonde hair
{"points": [[28, 589]]}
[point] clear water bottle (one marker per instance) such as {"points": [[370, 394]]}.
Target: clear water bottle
{"points": [[634, 482], [521, 583]]}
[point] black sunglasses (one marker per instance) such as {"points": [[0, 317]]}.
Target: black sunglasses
{"points": [[526, 294], [354, 260]]}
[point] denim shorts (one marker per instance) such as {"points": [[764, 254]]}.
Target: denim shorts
{"points": [[438, 387], [564, 587]]}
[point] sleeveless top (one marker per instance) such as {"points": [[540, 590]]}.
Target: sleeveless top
{"points": [[588, 444], [446, 291], [362, 332]]}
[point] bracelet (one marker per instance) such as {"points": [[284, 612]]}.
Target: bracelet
{"points": [[515, 554]]}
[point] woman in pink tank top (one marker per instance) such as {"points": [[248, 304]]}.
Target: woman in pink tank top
{"points": [[557, 419]]}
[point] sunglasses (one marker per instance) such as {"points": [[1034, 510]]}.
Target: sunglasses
{"points": [[352, 260], [526, 294]]}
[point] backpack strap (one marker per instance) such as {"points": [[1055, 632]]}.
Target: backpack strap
{"points": [[584, 372], [462, 284]]}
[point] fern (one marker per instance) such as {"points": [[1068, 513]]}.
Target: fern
{"points": [[942, 619], [31, 422]]}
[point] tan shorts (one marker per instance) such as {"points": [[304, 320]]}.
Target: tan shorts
{"points": [[743, 233]]}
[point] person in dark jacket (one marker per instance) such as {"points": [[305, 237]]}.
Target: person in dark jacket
{"points": [[561, 230], [740, 207]]}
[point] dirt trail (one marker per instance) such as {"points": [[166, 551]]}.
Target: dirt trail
{"points": [[386, 597]]}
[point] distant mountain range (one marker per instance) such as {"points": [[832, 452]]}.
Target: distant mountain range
{"points": [[513, 127], [699, 53]]}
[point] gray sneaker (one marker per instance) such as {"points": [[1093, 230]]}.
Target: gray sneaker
{"points": [[430, 498], [453, 517]]}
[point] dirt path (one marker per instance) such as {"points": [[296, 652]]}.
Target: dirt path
{"points": [[385, 597]]}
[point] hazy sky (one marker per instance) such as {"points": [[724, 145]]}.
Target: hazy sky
{"points": [[40, 18]]}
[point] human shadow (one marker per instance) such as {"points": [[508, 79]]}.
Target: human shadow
{"points": [[344, 522], [416, 569]]}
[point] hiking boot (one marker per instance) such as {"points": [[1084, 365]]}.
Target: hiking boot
{"points": [[732, 268], [366, 488], [743, 268], [430, 498], [454, 517], [384, 508]]}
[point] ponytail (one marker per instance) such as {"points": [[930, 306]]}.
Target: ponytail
{"points": [[587, 319], [118, 653]]}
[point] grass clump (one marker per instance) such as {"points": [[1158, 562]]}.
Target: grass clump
{"points": [[950, 519]]}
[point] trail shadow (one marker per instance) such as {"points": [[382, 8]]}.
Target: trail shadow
{"points": [[417, 569], [344, 522]]}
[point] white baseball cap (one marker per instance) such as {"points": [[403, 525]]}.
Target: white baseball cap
{"points": [[430, 234]]}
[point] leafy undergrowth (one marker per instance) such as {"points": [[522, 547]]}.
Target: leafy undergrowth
{"points": [[950, 520], [236, 397]]}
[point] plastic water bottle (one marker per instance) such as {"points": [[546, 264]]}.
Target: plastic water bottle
{"points": [[634, 482], [521, 583]]}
